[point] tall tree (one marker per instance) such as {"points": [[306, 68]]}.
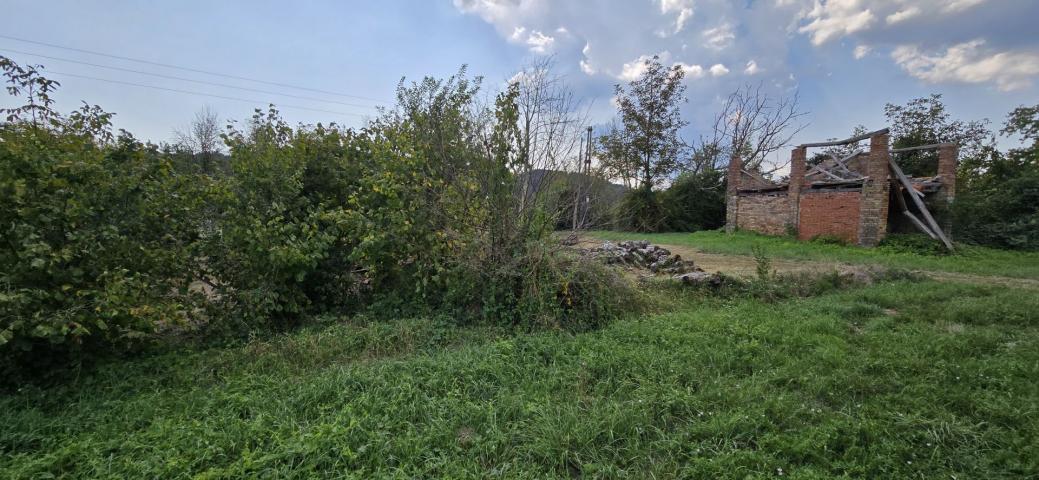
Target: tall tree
{"points": [[650, 121], [925, 121], [753, 124]]}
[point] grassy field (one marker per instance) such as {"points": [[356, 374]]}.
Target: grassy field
{"points": [[968, 259], [898, 380]]}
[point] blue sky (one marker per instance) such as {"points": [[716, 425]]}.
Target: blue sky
{"points": [[846, 58]]}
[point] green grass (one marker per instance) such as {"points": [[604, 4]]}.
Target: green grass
{"points": [[921, 380], [968, 259]]}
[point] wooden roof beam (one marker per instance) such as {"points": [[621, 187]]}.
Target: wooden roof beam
{"points": [[846, 141]]}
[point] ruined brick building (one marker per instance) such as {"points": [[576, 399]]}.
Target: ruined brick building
{"points": [[859, 198]]}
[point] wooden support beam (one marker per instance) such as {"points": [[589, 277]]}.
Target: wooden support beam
{"points": [[905, 211], [839, 164], [847, 140], [920, 204], [920, 225], [933, 146]]}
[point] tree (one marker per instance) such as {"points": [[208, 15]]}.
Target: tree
{"points": [[925, 121], [616, 160], [202, 139], [549, 127], [753, 124], [648, 142], [1000, 207], [707, 156]]}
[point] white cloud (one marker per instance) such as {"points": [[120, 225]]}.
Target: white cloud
{"points": [[752, 68], [970, 63], [535, 40], [539, 42], [961, 5], [585, 63], [720, 37], [861, 51], [517, 34], [635, 68], [684, 9], [903, 15], [587, 67], [836, 18], [830, 19], [691, 71]]}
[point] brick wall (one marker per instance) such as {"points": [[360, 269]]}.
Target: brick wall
{"points": [[732, 187], [873, 205], [764, 213], [829, 213]]}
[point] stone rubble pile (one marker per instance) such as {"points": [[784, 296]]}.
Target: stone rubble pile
{"points": [[642, 254]]}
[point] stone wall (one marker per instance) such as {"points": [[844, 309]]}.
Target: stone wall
{"points": [[830, 214], [764, 213]]}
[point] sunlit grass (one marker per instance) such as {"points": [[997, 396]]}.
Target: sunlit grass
{"points": [[899, 380]]}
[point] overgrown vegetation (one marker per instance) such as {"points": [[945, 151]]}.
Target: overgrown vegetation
{"points": [[996, 200], [108, 240]]}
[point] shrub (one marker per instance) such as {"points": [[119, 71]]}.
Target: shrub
{"points": [[641, 211], [98, 241], [695, 201], [912, 243], [107, 239]]}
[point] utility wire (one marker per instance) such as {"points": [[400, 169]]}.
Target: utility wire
{"points": [[171, 77], [189, 92], [166, 65]]}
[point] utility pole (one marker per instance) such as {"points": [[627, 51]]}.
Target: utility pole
{"points": [[587, 172], [577, 185]]}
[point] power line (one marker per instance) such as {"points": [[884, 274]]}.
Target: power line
{"points": [[171, 77], [166, 65], [189, 92]]}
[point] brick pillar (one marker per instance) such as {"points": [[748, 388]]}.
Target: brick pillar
{"points": [[874, 197], [798, 157], [732, 198], [948, 157]]}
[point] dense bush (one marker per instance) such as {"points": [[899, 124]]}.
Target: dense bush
{"points": [[1004, 216], [695, 201], [641, 211], [98, 238], [107, 240], [999, 205]]}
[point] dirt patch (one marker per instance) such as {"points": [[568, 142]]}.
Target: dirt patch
{"points": [[745, 266]]}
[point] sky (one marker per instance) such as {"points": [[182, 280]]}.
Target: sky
{"points": [[336, 61]]}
